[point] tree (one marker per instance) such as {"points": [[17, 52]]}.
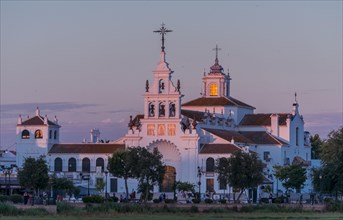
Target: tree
{"points": [[292, 176], [331, 154], [121, 165], [34, 174], [316, 144], [63, 184], [149, 169], [185, 186], [242, 171]]}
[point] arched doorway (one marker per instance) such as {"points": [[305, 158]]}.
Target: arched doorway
{"points": [[169, 179]]}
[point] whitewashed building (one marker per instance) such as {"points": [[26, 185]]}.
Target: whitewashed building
{"points": [[190, 135]]}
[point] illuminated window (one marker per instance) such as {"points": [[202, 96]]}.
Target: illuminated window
{"points": [[38, 134], [161, 130], [151, 130], [25, 134], [171, 129], [213, 89]]}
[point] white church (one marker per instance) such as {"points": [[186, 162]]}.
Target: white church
{"points": [[190, 135]]}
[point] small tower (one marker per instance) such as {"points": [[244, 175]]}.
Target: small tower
{"points": [[35, 136], [95, 135], [216, 83]]}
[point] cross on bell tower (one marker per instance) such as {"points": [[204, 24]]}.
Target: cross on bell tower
{"points": [[216, 49], [163, 31]]}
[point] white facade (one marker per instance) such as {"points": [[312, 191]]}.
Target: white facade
{"points": [[189, 135]]}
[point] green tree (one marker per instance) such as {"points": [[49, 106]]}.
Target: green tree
{"points": [[63, 184], [185, 186], [316, 144], [242, 171], [292, 176], [149, 169], [331, 155], [100, 185], [34, 174], [122, 165]]}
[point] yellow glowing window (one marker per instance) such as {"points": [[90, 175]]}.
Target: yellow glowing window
{"points": [[151, 130], [213, 89], [171, 129], [161, 130], [38, 134]]}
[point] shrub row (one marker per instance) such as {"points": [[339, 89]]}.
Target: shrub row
{"points": [[15, 198]]}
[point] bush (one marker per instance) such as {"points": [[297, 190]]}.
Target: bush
{"points": [[194, 209], [208, 201], [169, 201], [67, 209], [334, 206], [222, 201], [16, 198], [7, 209], [156, 200], [196, 201], [4, 198], [36, 212], [93, 199]]}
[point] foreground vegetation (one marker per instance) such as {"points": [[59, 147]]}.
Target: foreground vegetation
{"points": [[169, 211]]}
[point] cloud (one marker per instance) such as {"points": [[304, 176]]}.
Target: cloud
{"points": [[13, 110], [106, 121]]}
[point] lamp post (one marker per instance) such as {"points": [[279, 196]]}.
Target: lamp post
{"points": [[199, 182], [174, 186], [106, 172], [321, 187], [85, 177]]}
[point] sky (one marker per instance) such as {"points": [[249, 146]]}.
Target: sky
{"points": [[87, 61]]}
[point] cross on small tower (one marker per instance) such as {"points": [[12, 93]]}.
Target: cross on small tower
{"points": [[216, 49], [163, 31]]}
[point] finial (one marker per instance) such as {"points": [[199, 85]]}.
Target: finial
{"points": [[37, 111], [163, 31], [295, 96], [216, 49], [147, 86], [178, 85]]}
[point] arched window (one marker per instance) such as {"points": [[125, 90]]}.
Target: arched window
{"points": [[162, 110], [55, 135], [25, 134], [172, 109], [213, 89], [86, 165], [161, 86], [100, 163], [38, 134], [58, 164], [50, 134], [210, 165], [72, 165], [151, 109]]}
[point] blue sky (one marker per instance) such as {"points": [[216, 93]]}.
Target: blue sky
{"points": [[87, 61]]}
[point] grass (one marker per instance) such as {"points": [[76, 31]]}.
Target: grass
{"points": [[190, 216]]}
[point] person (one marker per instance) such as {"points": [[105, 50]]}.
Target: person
{"points": [[270, 198], [26, 197], [45, 198]]}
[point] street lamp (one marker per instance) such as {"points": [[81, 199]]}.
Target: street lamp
{"points": [[106, 172], [199, 182], [85, 177], [174, 187]]}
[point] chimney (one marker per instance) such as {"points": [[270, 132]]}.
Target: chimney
{"points": [[46, 120], [37, 111], [20, 120], [274, 119]]}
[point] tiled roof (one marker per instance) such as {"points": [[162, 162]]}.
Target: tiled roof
{"points": [[216, 101], [219, 149], [228, 135], [37, 120], [86, 148], [249, 137], [262, 119], [198, 116]]}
